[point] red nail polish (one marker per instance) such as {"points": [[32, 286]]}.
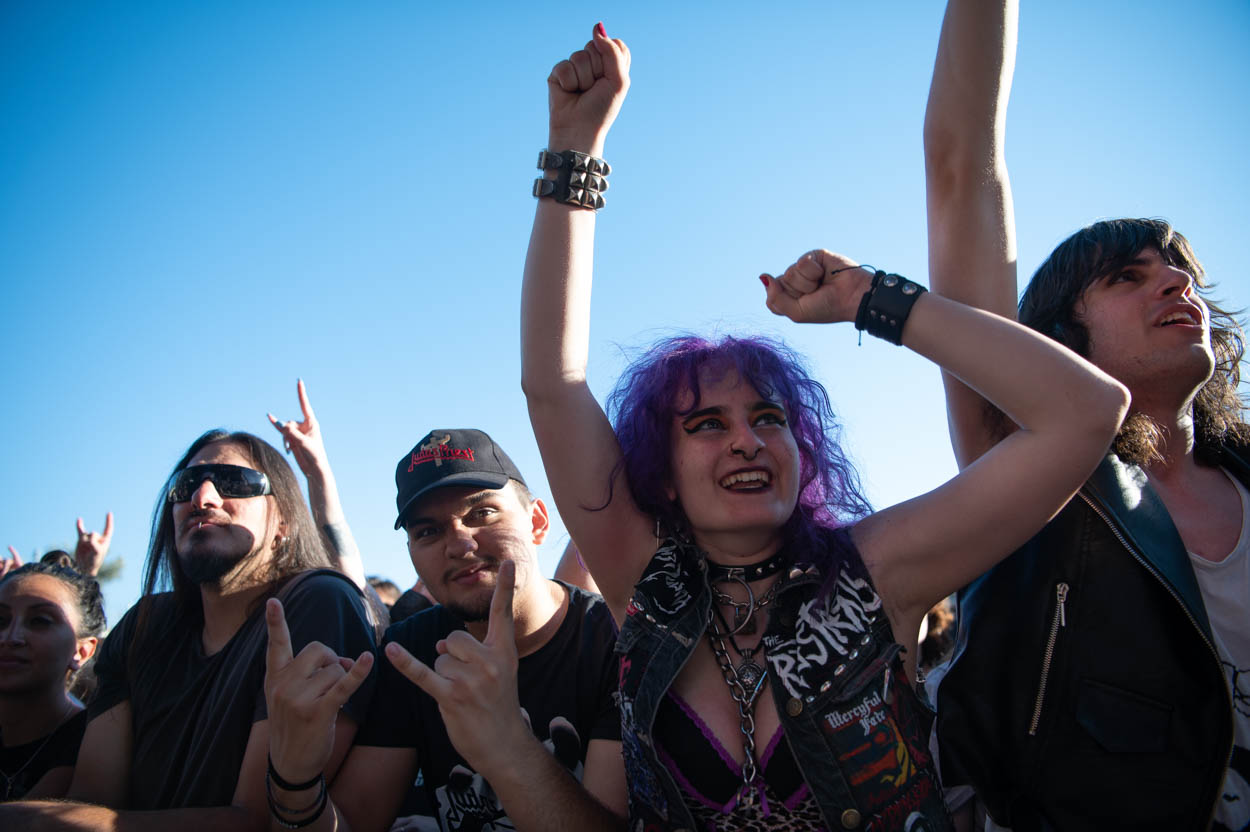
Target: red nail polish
{"points": [[603, 33], [764, 280]]}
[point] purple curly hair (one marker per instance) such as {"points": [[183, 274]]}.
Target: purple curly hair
{"points": [[643, 406]]}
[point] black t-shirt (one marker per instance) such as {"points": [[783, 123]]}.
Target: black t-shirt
{"points": [[192, 713], [24, 765], [567, 687]]}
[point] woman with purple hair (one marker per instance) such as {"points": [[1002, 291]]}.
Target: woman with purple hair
{"points": [[727, 530]]}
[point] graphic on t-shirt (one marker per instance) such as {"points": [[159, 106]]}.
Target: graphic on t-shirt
{"points": [[1233, 811], [466, 803], [1239, 684]]}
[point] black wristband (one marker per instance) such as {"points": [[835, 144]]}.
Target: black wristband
{"points": [[292, 818], [885, 306], [580, 179], [287, 785]]}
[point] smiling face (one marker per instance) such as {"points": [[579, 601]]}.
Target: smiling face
{"points": [[1148, 328], [735, 465], [215, 535], [39, 621], [458, 536]]}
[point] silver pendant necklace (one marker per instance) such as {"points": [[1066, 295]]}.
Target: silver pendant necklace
{"points": [[744, 611], [745, 682], [9, 778]]}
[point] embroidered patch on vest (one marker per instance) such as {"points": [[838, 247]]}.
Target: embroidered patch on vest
{"points": [[888, 775], [825, 630]]}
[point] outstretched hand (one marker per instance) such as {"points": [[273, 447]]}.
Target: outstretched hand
{"points": [[92, 547], [303, 439], [7, 565], [304, 694], [474, 683], [585, 92], [819, 287]]}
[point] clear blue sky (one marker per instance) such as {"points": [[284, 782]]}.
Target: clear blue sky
{"points": [[202, 202]]}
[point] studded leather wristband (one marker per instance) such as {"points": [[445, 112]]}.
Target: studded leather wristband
{"points": [[580, 179], [885, 306]]}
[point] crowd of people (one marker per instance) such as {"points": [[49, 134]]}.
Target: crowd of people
{"points": [[733, 638]]}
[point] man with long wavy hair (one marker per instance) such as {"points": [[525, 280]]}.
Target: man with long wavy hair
{"points": [[179, 731], [1100, 675]]}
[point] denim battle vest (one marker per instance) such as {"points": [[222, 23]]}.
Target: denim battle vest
{"points": [[856, 728]]}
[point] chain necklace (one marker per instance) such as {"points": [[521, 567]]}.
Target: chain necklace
{"points": [[9, 778], [744, 611], [749, 671], [744, 693]]}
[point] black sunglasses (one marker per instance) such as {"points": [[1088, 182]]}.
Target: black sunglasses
{"points": [[229, 480]]}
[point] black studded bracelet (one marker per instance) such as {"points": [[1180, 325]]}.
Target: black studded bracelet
{"points": [[885, 306]]}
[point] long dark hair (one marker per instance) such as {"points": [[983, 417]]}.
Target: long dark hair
{"points": [[87, 596], [89, 602], [1048, 305], [301, 550]]}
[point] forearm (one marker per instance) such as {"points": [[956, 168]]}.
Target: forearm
{"points": [[1038, 383], [327, 511], [540, 795], [966, 115], [555, 295], [346, 553], [971, 225], [323, 497], [65, 816]]}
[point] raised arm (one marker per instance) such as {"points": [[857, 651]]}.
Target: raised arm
{"points": [[573, 571], [972, 236], [92, 547], [303, 439], [9, 564], [578, 446], [1067, 409]]}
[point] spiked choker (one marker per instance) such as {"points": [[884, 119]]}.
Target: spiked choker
{"points": [[719, 573], [744, 611]]}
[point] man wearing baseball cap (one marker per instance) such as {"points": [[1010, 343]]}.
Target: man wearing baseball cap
{"points": [[501, 696]]}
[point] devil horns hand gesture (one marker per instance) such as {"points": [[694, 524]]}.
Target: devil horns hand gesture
{"points": [[92, 547], [304, 694], [474, 682]]}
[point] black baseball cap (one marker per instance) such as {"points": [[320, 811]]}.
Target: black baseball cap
{"points": [[451, 457]]}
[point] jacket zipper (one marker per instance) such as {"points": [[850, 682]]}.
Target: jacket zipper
{"points": [[1059, 620], [1211, 647]]}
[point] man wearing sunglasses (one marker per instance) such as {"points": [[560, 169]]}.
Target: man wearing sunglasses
{"points": [[179, 729], [502, 696]]}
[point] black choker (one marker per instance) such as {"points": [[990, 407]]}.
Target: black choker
{"points": [[753, 572]]}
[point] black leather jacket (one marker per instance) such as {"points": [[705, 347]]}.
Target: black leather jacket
{"points": [[1086, 691]]}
